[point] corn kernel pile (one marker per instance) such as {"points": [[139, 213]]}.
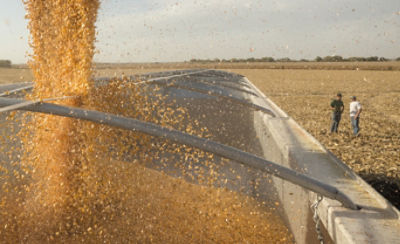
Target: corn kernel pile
{"points": [[76, 181]]}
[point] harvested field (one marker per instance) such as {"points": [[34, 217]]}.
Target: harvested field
{"points": [[21, 74], [306, 94], [392, 65], [13, 75]]}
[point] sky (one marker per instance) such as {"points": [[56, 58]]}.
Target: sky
{"points": [[178, 30]]}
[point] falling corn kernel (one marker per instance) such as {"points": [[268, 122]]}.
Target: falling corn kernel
{"points": [[87, 182]]}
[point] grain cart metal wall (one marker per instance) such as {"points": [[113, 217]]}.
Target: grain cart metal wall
{"points": [[238, 115]]}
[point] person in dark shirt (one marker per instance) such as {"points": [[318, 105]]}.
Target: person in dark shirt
{"points": [[337, 110]]}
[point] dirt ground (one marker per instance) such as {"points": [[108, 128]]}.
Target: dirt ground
{"points": [[8, 75], [305, 95]]}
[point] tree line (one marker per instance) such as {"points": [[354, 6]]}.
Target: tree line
{"points": [[335, 58], [5, 63]]}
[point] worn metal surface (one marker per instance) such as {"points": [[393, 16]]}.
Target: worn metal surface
{"points": [[245, 158], [280, 139]]}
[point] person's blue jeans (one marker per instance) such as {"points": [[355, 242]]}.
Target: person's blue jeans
{"points": [[355, 124], [335, 121]]}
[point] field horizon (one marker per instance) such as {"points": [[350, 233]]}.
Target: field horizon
{"points": [[345, 65]]}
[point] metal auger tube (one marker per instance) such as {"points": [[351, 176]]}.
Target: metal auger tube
{"points": [[184, 138]]}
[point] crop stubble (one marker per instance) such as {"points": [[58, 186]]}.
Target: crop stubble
{"points": [[306, 94]]}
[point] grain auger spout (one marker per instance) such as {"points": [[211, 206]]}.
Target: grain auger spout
{"points": [[225, 151]]}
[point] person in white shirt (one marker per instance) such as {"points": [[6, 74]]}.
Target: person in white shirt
{"points": [[355, 110]]}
